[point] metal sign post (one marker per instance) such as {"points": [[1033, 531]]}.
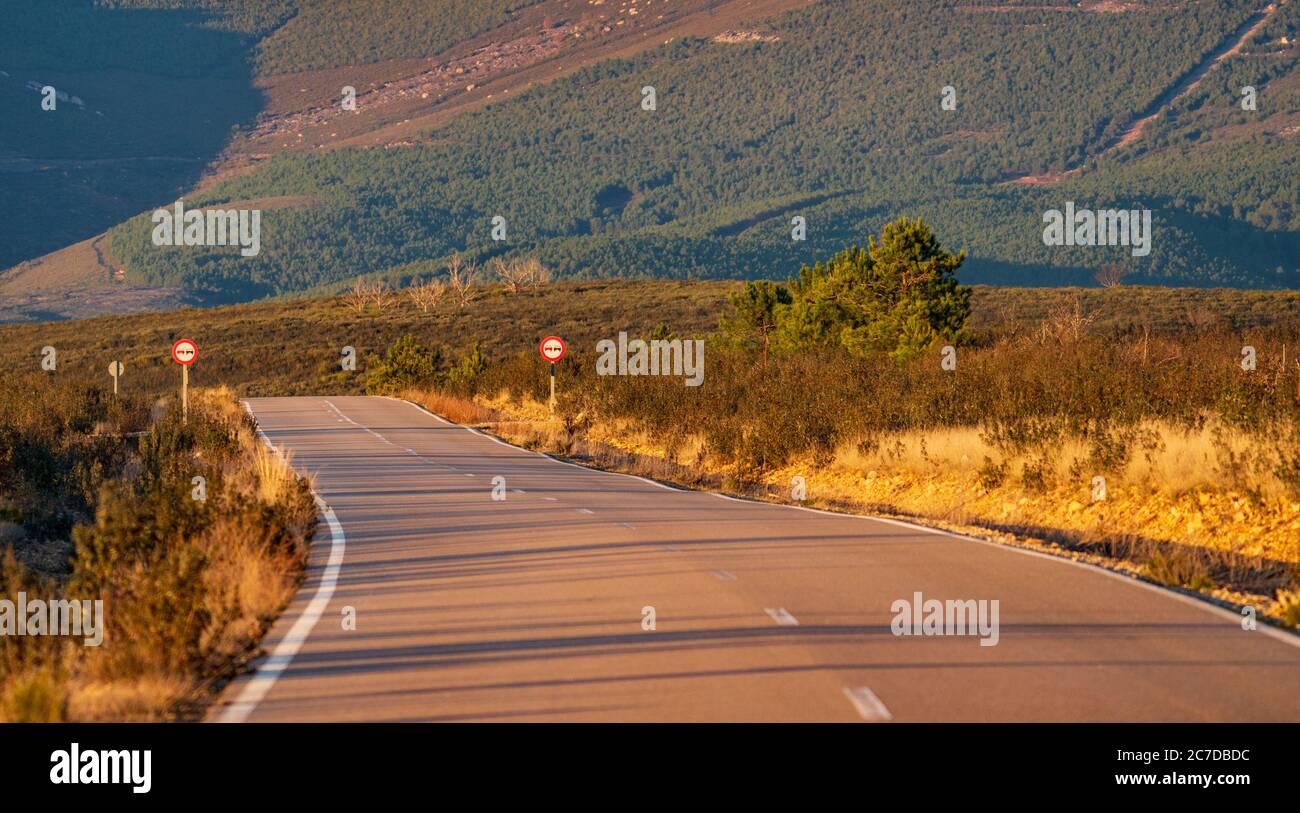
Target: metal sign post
{"points": [[552, 349], [183, 353], [115, 370]]}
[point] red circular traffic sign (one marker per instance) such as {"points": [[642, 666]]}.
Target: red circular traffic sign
{"points": [[184, 352], [552, 348]]}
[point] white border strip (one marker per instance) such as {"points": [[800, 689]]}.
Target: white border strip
{"points": [[592, 469], [1264, 627], [267, 673]]}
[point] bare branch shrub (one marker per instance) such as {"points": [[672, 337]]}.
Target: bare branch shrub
{"points": [[460, 280], [1110, 275], [426, 294]]}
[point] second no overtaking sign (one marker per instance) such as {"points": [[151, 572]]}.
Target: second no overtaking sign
{"points": [[552, 348], [184, 352]]}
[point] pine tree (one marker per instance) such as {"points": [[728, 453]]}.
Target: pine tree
{"points": [[898, 296], [754, 314]]}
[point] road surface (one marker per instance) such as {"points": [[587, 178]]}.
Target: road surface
{"points": [[532, 607]]}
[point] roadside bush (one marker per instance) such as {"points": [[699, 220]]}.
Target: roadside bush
{"points": [[406, 363], [189, 585]]}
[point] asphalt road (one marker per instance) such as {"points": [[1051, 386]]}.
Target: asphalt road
{"points": [[532, 607]]}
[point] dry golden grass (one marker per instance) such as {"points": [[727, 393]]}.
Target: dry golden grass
{"points": [[918, 452], [223, 403], [138, 698], [271, 471], [176, 632], [247, 584], [34, 696], [1288, 607], [1179, 460], [459, 410], [264, 473]]}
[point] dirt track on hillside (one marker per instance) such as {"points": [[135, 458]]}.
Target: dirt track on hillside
{"points": [[1166, 100], [399, 100]]}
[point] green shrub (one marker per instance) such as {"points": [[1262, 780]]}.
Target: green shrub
{"points": [[899, 297], [406, 364]]}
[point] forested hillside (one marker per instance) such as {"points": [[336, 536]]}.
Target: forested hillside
{"points": [[161, 85], [836, 117], [302, 35], [148, 98]]}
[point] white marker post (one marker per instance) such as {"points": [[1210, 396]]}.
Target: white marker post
{"points": [[553, 349], [115, 370], [183, 353]]}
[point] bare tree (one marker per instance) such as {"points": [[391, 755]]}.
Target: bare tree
{"points": [[513, 274], [357, 295], [381, 296], [536, 274], [426, 294], [364, 293], [1110, 275], [1067, 322], [460, 280]]}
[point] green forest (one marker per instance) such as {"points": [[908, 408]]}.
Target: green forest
{"points": [[304, 35], [838, 122]]}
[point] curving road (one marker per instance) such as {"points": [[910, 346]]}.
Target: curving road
{"points": [[531, 608]]}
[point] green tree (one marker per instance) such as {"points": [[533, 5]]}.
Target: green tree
{"points": [[898, 296], [471, 366], [820, 295], [406, 363], [754, 314]]}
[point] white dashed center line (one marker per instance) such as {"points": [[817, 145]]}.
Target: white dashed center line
{"points": [[867, 704], [725, 575], [585, 511], [782, 617]]}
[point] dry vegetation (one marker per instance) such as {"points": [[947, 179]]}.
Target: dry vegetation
{"points": [[189, 586], [1141, 386], [1148, 451]]}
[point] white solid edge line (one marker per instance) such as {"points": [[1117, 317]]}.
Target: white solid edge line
{"points": [[539, 454], [265, 675], [1267, 629], [1270, 631]]}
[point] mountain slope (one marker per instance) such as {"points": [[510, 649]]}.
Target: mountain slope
{"points": [[830, 112], [833, 116]]}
